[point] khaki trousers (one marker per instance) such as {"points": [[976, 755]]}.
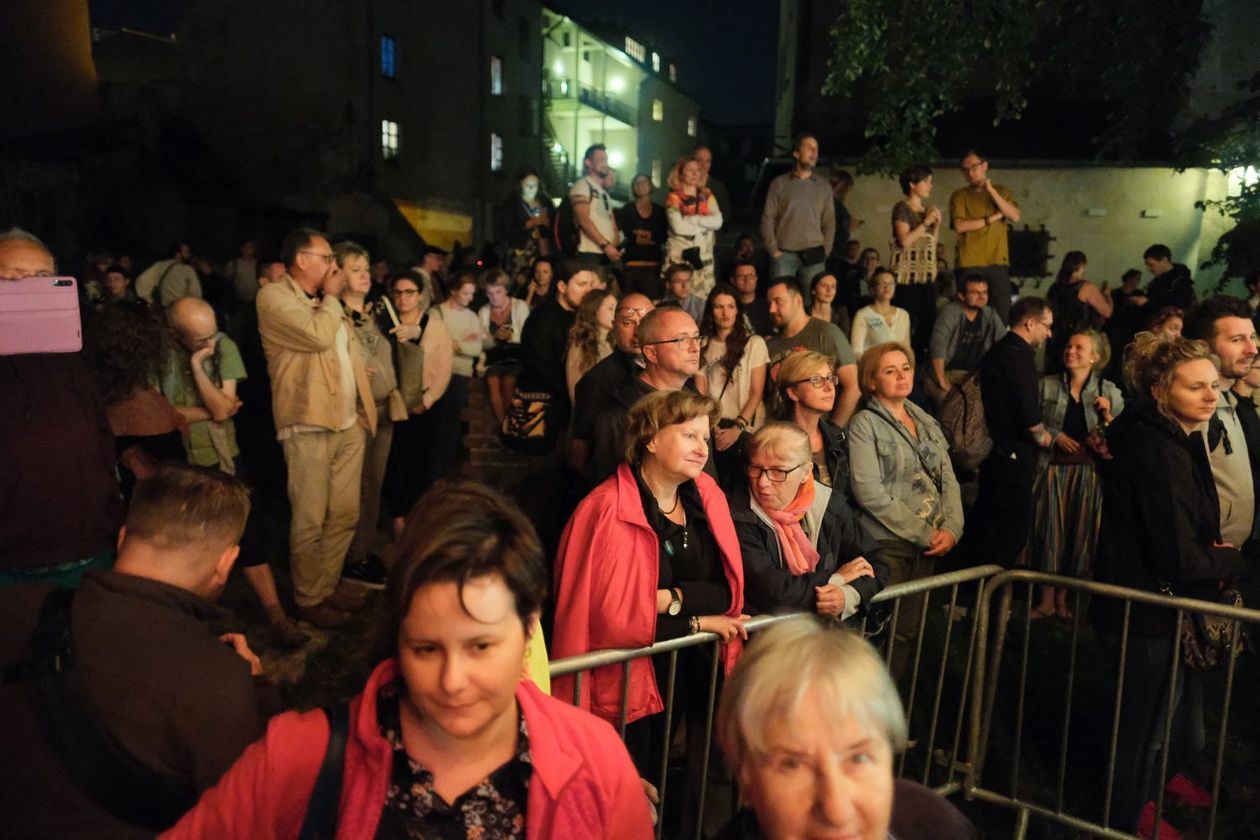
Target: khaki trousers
{"points": [[324, 473], [375, 457]]}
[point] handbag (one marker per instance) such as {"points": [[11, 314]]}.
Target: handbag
{"points": [[525, 425], [410, 364], [1208, 640], [692, 257], [813, 256]]}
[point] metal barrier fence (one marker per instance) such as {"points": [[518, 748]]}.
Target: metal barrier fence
{"points": [[923, 749], [984, 701]]}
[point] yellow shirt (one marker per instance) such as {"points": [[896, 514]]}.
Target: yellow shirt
{"points": [[987, 245], [536, 667]]}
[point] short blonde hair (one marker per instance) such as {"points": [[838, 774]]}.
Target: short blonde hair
{"points": [[1102, 347], [796, 366], [871, 360], [785, 663], [780, 440], [495, 277], [659, 409]]}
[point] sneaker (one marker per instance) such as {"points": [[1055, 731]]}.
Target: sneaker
{"points": [[1181, 788], [369, 573], [323, 616], [285, 635], [1146, 825], [346, 597]]}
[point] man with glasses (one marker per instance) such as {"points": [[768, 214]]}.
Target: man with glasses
{"points": [[321, 397], [670, 343], [799, 331], [997, 528], [978, 213], [595, 389], [599, 241]]}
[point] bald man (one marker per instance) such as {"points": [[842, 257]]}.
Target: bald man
{"points": [[199, 379], [62, 507]]}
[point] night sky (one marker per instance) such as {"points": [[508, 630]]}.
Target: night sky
{"points": [[725, 49]]}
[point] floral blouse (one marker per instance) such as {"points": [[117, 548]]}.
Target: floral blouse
{"points": [[493, 810]]}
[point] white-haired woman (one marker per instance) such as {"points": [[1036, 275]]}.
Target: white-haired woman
{"points": [[810, 721], [802, 543]]}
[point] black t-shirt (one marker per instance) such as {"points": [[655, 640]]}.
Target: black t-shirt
{"points": [[643, 238], [1074, 420], [970, 346], [594, 390], [689, 560], [544, 344], [1012, 399]]}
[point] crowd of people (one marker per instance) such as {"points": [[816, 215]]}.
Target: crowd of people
{"points": [[709, 439]]}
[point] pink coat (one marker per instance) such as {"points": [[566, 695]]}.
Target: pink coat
{"points": [[583, 783], [605, 583]]}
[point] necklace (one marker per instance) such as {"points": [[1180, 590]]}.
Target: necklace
{"points": [[671, 510]]}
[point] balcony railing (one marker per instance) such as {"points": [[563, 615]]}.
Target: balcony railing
{"points": [[592, 98]]}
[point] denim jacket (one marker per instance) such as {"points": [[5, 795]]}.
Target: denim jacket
{"points": [[897, 495], [1055, 394]]}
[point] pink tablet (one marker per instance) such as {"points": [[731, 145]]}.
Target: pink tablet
{"points": [[40, 315]]}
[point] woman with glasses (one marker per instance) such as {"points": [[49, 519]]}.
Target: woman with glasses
{"points": [[807, 394], [651, 555], [694, 220], [412, 465], [902, 478], [879, 321], [803, 546], [733, 366]]}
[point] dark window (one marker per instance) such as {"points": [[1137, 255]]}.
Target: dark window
{"points": [[497, 7], [389, 59], [525, 35], [529, 114]]}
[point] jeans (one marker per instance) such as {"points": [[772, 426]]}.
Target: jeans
{"points": [[788, 264]]}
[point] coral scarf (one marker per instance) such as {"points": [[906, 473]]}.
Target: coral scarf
{"points": [[799, 555]]}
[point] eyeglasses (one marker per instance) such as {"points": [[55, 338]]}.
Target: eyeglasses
{"points": [[327, 258], [1049, 327], [818, 379], [406, 292], [776, 474], [681, 341]]}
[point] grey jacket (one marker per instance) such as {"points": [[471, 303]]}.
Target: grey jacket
{"points": [[890, 483], [947, 330]]}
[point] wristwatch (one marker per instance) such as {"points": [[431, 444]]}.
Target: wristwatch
{"points": [[675, 603]]}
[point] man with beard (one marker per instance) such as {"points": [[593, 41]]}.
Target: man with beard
{"points": [[798, 222], [593, 210]]}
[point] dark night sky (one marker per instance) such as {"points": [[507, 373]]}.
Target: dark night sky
{"points": [[725, 49]]}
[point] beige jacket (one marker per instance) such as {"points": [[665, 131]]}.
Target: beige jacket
{"points": [[299, 337], [439, 356]]}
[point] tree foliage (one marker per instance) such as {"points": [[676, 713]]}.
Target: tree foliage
{"points": [[908, 63]]}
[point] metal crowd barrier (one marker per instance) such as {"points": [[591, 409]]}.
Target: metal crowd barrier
{"points": [[924, 749], [984, 701]]}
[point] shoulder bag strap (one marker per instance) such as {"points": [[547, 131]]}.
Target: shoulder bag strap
{"points": [[320, 822], [896, 427]]}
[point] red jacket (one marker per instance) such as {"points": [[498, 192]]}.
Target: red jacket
{"points": [[606, 580], [583, 784]]}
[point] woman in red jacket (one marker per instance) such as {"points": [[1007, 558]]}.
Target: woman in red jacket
{"points": [[447, 737], [651, 554]]}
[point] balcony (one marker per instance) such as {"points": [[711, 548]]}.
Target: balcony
{"points": [[560, 92]]}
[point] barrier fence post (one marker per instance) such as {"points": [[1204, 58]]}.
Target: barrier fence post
{"points": [[708, 738], [1115, 718], [669, 720], [1220, 744]]}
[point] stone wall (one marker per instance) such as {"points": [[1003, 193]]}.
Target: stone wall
{"points": [[488, 461]]}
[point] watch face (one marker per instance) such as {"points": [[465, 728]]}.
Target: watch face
{"points": [[675, 607]]}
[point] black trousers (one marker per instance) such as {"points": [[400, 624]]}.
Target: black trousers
{"points": [[997, 528]]}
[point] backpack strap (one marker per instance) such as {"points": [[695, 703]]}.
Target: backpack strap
{"points": [[320, 822]]}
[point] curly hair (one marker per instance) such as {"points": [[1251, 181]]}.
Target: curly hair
{"points": [[127, 346], [1151, 362], [585, 334], [736, 341]]}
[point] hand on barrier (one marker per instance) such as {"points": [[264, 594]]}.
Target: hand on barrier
{"points": [[725, 626], [829, 599]]}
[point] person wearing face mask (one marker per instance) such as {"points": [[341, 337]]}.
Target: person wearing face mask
{"points": [[449, 737], [810, 723], [526, 224], [646, 227]]}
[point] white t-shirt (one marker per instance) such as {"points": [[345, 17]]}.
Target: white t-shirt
{"points": [[584, 190], [734, 396]]}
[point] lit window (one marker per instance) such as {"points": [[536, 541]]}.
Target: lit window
{"points": [[656, 172], [691, 126], [673, 73], [656, 62], [496, 153], [658, 110], [389, 139], [635, 50], [496, 76], [389, 67]]}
